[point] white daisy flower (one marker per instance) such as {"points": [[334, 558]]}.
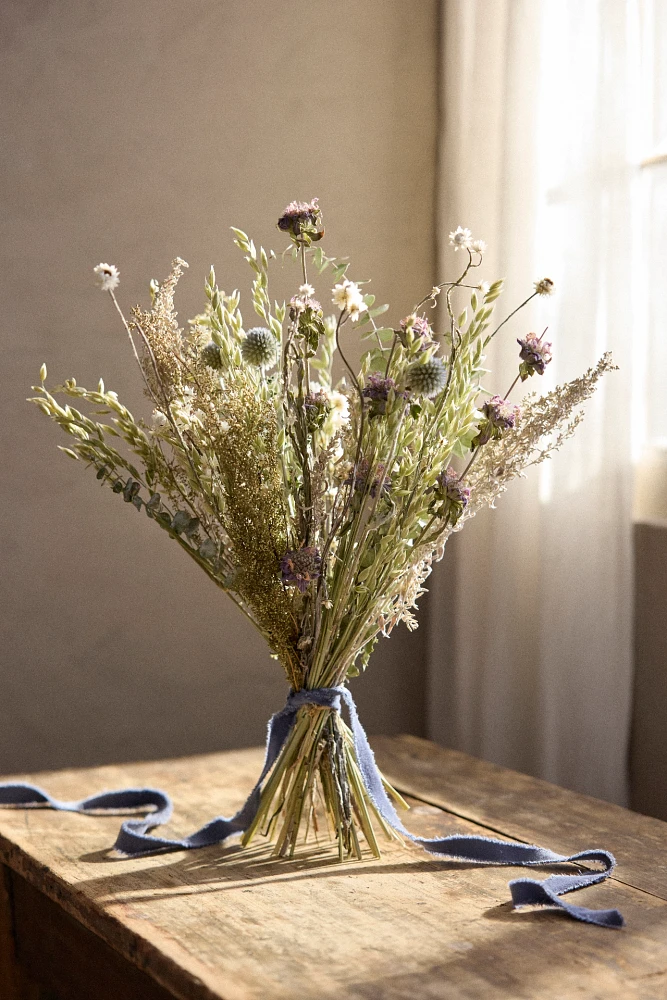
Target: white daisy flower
{"points": [[460, 239], [347, 296], [479, 246], [108, 276], [307, 291]]}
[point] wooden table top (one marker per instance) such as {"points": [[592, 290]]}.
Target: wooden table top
{"points": [[233, 924]]}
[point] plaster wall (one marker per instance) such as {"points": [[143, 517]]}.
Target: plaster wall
{"points": [[133, 133]]}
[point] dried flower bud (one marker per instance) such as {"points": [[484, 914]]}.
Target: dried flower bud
{"points": [[259, 348], [451, 496], [211, 355], [301, 567], [500, 416], [416, 328], [544, 286], [302, 218], [535, 355], [317, 407], [427, 378]]}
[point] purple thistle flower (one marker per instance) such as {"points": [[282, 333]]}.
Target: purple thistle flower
{"points": [[421, 331], [535, 355], [451, 497], [300, 216], [300, 567], [500, 415], [380, 482], [377, 389], [317, 407], [449, 484]]}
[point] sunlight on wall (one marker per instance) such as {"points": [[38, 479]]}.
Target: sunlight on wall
{"points": [[601, 230]]}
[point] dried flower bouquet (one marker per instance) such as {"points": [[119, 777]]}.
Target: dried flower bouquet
{"points": [[318, 507]]}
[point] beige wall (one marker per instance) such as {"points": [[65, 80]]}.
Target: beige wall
{"points": [[134, 132]]}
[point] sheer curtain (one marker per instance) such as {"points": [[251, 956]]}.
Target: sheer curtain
{"points": [[530, 613]]}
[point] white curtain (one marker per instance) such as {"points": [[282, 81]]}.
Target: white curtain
{"points": [[530, 614]]}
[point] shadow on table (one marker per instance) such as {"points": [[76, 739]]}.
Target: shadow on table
{"points": [[238, 869]]}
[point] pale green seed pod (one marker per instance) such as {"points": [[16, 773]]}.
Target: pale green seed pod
{"points": [[427, 379], [259, 348], [211, 356]]}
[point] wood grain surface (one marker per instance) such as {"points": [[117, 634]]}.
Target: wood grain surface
{"points": [[238, 925]]}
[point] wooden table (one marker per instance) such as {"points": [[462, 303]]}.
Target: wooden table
{"points": [[237, 925]]}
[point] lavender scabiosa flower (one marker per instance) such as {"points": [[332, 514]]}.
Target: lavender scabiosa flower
{"points": [[416, 329], [451, 497], [535, 355], [377, 389], [107, 277], [499, 416], [380, 484], [301, 218], [301, 567]]}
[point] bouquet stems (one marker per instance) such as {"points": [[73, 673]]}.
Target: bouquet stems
{"points": [[318, 762]]}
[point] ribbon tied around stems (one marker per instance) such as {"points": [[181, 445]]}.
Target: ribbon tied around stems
{"points": [[134, 839]]}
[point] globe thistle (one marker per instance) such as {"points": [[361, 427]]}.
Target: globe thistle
{"points": [[107, 276], [544, 286], [211, 356], [302, 218], [416, 328], [500, 416], [301, 567], [535, 355], [427, 378], [451, 497], [259, 347]]}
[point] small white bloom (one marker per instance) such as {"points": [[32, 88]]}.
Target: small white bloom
{"points": [[340, 411], [460, 239], [108, 276], [479, 246], [307, 291], [483, 287], [347, 296], [544, 286], [159, 419]]}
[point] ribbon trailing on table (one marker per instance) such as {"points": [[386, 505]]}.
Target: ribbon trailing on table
{"points": [[134, 839]]}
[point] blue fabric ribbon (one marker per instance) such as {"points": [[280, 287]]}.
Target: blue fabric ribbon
{"points": [[134, 839]]}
